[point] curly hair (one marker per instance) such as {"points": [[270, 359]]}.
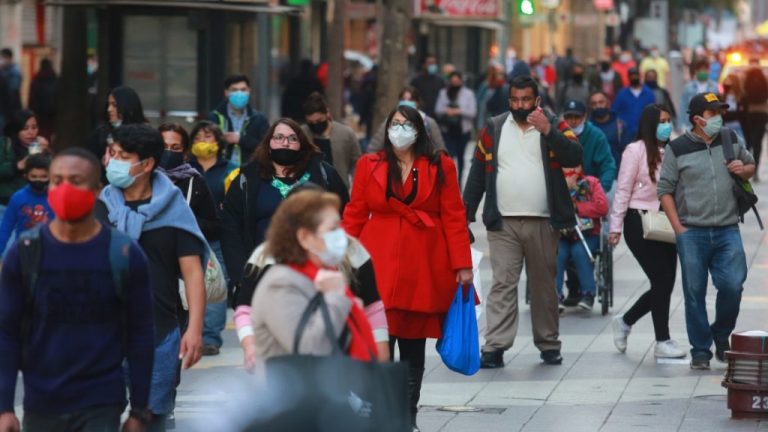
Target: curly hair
{"points": [[299, 210]]}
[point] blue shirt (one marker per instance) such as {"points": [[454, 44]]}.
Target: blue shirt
{"points": [[629, 107], [73, 356], [26, 210]]}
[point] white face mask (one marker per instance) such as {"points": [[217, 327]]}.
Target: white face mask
{"points": [[402, 137], [336, 243], [578, 130]]}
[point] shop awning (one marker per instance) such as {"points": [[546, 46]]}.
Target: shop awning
{"points": [[254, 6]]}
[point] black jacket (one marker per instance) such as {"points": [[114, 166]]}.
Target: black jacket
{"points": [[203, 207], [559, 149], [255, 127], [250, 204]]}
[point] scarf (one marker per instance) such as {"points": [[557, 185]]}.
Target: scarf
{"points": [[361, 345], [166, 209]]}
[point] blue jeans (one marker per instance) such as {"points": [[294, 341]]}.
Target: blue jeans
{"points": [[573, 251], [719, 252], [215, 313], [165, 369]]}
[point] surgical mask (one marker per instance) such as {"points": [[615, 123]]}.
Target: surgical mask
{"points": [[239, 99], [116, 124], [625, 58], [70, 203], [654, 53], [713, 125], [702, 76], [336, 243], [319, 127], [171, 159], [578, 130], [432, 69], [408, 103], [205, 150], [402, 137], [119, 173], [601, 112], [663, 131]]}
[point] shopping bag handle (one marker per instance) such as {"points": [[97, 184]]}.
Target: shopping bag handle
{"points": [[465, 297], [317, 302]]}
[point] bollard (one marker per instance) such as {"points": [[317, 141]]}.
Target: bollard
{"points": [[747, 375]]}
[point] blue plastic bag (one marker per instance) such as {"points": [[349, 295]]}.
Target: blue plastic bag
{"points": [[460, 345]]}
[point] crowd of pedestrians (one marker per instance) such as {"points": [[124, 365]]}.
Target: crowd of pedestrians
{"points": [[121, 239]]}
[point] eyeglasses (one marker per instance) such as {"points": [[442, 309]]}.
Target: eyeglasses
{"points": [[525, 100], [404, 125], [279, 138]]}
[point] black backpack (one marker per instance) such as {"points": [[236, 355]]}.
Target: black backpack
{"points": [[30, 253], [742, 189]]}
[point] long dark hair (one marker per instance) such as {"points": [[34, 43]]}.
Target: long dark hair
{"points": [[306, 147], [15, 125], [649, 122], [422, 147], [128, 106]]}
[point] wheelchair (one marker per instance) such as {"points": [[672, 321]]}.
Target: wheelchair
{"points": [[603, 266]]}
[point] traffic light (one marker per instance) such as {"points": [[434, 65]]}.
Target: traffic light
{"points": [[526, 7]]}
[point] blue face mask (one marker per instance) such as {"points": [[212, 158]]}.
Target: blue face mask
{"points": [[663, 131], [713, 126], [432, 69], [408, 103], [119, 173], [336, 243], [239, 99]]}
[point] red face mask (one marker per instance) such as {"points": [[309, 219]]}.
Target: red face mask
{"points": [[70, 203]]}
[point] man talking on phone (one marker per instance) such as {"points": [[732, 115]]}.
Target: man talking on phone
{"points": [[518, 166]]}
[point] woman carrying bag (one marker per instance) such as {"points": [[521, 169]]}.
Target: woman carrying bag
{"points": [[407, 211], [636, 193]]}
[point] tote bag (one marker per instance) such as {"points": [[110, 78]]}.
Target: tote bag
{"points": [[334, 392], [460, 346]]}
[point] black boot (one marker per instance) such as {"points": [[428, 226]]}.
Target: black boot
{"points": [[415, 376]]}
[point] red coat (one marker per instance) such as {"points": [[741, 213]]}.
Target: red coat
{"points": [[416, 249]]}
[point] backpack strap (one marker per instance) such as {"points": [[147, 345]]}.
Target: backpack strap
{"points": [[119, 261], [30, 253], [727, 142]]}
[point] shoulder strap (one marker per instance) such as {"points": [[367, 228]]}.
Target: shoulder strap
{"points": [[311, 308], [727, 143], [119, 262], [324, 173], [189, 190], [30, 252]]}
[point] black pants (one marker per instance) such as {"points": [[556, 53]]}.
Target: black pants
{"points": [[413, 352], [456, 143], [754, 129], [96, 419], [659, 262]]}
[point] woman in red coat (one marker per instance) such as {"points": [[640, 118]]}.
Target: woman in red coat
{"points": [[406, 209]]}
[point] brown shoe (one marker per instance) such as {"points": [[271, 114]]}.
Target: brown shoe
{"points": [[210, 350]]}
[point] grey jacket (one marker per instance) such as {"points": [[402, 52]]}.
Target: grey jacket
{"points": [[695, 174], [280, 299]]}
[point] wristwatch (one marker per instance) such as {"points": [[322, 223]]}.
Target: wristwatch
{"points": [[142, 415]]}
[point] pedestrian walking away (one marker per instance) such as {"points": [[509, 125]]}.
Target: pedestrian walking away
{"points": [[696, 193], [406, 209], [523, 147], [75, 303], [456, 109], [635, 194], [144, 204]]}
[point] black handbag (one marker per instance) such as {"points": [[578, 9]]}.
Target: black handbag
{"points": [[334, 392], [746, 199]]}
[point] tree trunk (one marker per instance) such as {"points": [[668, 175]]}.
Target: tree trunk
{"points": [[336, 59], [72, 91], [393, 63]]}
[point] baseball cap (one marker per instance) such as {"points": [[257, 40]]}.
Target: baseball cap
{"points": [[705, 101], [575, 107]]}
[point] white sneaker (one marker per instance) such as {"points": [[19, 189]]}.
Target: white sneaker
{"points": [[620, 333], [668, 349]]}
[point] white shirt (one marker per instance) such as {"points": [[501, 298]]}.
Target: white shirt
{"points": [[521, 188]]}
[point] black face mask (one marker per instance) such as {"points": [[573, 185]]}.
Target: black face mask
{"points": [[171, 159], [605, 66], [601, 112], [578, 78], [319, 127], [284, 156], [521, 114], [652, 84], [38, 186], [634, 82]]}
